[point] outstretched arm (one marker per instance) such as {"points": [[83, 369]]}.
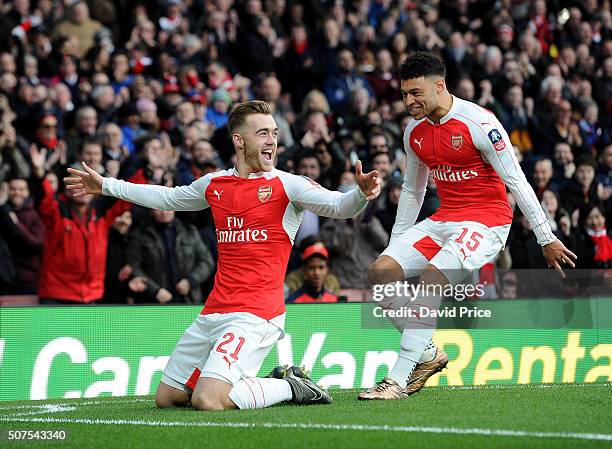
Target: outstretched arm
{"points": [[311, 196], [495, 145], [182, 198]]}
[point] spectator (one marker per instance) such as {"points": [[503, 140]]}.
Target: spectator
{"points": [[295, 277], [85, 127], [457, 58], [550, 81], [551, 96], [105, 103], [147, 114], [115, 149], [595, 136], [315, 100], [218, 113], [308, 165], [338, 88], [326, 52], [91, 153], [269, 90], [120, 70], [68, 74], [590, 241], [12, 161], [348, 146], [129, 118], [80, 25], [259, 46], [528, 263], [604, 169], [46, 135], [204, 159], [353, 246], [382, 162], [298, 72], [508, 286], [331, 163], [117, 271], [24, 232], [386, 215], [551, 205], [563, 165], [582, 188], [316, 130], [517, 120], [184, 116], [384, 80], [76, 239], [543, 177], [184, 262], [315, 269], [564, 129]]}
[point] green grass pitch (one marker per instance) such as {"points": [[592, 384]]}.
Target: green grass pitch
{"points": [[530, 416]]}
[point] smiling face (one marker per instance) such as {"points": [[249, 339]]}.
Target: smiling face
{"points": [[595, 220], [18, 192], [422, 95], [257, 139]]}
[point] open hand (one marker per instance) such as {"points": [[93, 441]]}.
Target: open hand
{"points": [[369, 183], [84, 182], [38, 158], [556, 254]]}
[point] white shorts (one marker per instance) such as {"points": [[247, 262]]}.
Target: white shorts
{"points": [[454, 248], [224, 346]]}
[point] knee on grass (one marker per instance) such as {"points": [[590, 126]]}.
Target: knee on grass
{"points": [[207, 403], [171, 398], [165, 402]]}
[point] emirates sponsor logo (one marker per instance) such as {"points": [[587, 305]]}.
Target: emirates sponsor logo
{"points": [[235, 232], [446, 173]]}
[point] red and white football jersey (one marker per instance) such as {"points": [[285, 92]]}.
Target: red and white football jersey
{"points": [[470, 156], [256, 219]]}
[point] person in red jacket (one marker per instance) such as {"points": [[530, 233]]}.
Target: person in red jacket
{"points": [[76, 240]]}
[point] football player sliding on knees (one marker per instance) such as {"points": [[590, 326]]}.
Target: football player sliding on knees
{"points": [[257, 211], [469, 155]]}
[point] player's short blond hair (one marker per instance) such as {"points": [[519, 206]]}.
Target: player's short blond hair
{"points": [[241, 111]]}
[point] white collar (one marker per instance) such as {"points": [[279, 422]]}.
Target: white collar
{"points": [[261, 174], [449, 114]]}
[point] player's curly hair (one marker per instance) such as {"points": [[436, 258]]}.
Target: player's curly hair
{"points": [[242, 110], [422, 63]]}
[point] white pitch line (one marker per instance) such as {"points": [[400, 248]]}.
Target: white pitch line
{"points": [[119, 400], [111, 401], [515, 386], [56, 408], [313, 426]]}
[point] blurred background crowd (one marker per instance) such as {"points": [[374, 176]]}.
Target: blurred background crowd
{"points": [[142, 90]]}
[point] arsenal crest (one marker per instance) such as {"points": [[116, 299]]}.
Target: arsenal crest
{"points": [[264, 193], [457, 141]]}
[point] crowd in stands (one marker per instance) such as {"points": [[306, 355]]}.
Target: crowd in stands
{"points": [[142, 91]]}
